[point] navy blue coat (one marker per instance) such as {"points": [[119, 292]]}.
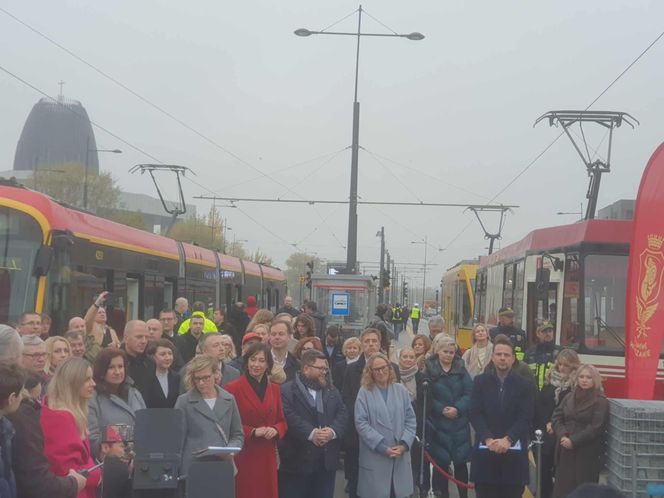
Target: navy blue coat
{"points": [[448, 438], [298, 454], [497, 411]]}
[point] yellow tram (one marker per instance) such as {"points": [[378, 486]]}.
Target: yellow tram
{"points": [[458, 301]]}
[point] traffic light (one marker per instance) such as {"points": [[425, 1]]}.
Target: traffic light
{"points": [[310, 271], [385, 282], [404, 291]]}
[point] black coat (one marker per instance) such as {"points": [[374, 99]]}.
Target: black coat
{"points": [[141, 369], [352, 384], [31, 467], [497, 411], [335, 357], [297, 453], [236, 325], [291, 367], [186, 344], [154, 395]]}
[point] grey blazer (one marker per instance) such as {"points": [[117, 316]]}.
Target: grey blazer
{"points": [[108, 410], [201, 424]]}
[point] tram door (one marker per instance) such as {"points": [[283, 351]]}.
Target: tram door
{"points": [[541, 307], [132, 298]]}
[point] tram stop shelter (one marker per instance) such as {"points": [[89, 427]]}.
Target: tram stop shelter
{"points": [[346, 300]]}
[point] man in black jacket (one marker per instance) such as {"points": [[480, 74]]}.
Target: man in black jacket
{"points": [[501, 410], [370, 339], [188, 341], [140, 368], [317, 421], [506, 327]]}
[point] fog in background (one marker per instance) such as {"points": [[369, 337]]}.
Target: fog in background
{"points": [[446, 119]]}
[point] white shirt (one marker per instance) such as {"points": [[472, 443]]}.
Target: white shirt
{"points": [[163, 382], [211, 402]]}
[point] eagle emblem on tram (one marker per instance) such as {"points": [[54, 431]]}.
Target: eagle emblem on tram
{"points": [[651, 271]]}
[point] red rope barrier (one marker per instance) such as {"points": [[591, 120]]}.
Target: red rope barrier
{"points": [[449, 477]]}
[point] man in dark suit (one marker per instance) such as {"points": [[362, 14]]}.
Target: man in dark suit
{"points": [[501, 410], [332, 346], [317, 420], [370, 339], [140, 367]]}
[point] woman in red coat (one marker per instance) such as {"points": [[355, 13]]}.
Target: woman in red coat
{"points": [[64, 420], [263, 421]]}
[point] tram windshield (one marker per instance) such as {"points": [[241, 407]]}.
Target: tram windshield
{"points": [[20, 239], [605, 287]]}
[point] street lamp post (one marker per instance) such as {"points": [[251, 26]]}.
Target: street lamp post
{"points": [[87, 167], [351, 250], [424, 273]]}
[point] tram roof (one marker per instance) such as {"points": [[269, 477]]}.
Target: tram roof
{"points": [[52, 215], [564, 236]]}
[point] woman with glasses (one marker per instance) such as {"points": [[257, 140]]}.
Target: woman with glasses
{"points": [[385, 422], [263, 422], [211, 416]]}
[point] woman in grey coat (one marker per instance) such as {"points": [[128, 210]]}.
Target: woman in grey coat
{"points": [[211, 415], [386, 425], [115, 401]]}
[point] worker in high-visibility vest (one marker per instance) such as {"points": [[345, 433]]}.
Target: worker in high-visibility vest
{"points": [[506, 327], [397, 320], [415, 317], [542, 356]]}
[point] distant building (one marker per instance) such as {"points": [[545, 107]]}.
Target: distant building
{"points": [[55, 133], [619, 210]]}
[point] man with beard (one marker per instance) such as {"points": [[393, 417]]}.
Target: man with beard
{"points": [[316, 418]]}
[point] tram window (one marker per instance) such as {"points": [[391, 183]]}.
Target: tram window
{"points": [[605, 284], [570, 324], [508, 286], [20, 239], [517, 302]]}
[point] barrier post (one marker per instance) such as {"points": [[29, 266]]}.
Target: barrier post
{"points": [[425, 391], [538, 470]]}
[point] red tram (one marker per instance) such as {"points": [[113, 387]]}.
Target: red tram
{"points": [[574, 276], [55, 258]]}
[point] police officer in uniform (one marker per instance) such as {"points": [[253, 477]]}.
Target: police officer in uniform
{"points": [[397, 320], [506, 327], [415, 317], [541, 357]]}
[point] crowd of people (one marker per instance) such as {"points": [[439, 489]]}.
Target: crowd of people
{"points": [[298, 398]]}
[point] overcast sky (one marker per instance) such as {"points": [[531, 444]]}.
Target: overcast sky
{"points": [[446, 119]]}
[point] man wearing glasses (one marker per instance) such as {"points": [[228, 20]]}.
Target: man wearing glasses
{"points": [[317, 419], [34, 354], [29, 324]]}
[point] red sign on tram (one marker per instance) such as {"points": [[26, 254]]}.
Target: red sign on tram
{"points": [[645, 296]]}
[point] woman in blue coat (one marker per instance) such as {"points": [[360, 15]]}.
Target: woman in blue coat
{"points": [[448, 405]]}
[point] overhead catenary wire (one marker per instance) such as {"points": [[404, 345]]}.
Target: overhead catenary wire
{"points": [[548, 147]]}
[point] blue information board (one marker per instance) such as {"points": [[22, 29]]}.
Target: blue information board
{"points": [[340, 305]]}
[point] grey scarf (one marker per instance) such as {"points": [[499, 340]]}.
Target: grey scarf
{"points": [[316, 404]]}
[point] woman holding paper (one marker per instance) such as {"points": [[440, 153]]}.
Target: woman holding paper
{"points": [[211, 416], [447, 424]]}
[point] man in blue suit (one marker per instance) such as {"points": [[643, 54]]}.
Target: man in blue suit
{"points": [[317, 419], [501, 410]]}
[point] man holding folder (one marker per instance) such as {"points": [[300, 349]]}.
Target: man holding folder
{"points": [[501, 411]]}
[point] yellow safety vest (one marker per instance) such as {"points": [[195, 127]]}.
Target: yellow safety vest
{"points": [[415, 313]]}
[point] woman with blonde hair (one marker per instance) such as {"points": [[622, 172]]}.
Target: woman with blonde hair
{"points": [[478, 356], [579, 423], [351, 349], [386, 426], [64, 421], [263, 330], [229, 348], [211, 416], [261, 316], [559, 383], [57, 351]]}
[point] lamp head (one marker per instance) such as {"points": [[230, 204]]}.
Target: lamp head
{"points": [[415, 36], [303, 32]]}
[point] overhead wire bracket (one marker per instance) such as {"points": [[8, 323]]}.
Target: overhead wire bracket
{"points": [[490, 236], [595, 168]]}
